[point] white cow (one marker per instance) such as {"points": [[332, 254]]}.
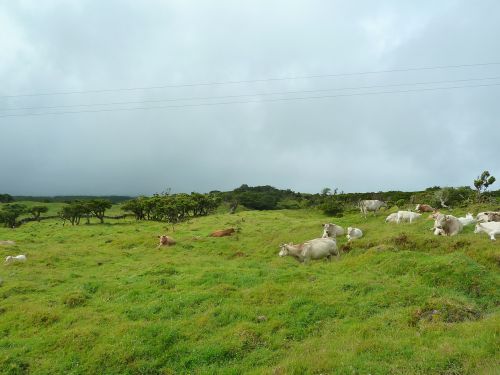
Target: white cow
{"points": [[467, 220], [491, 228], [371, 205], [353, 233], [447, 225], [392, 218], [11, 259], [332, 230], [317, 248], [484, 217], [407, 216]]}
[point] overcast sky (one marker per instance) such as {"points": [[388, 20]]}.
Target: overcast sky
{"points": [[401, 141]]}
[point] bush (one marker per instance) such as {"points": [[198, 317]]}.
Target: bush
{"points": [[332, 206]]}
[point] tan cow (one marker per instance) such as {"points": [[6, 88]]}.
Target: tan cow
{"points": [[222, 232], [166, 241], [424, 208]]}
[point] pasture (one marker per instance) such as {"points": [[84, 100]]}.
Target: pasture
{"points": [[102, 299]]}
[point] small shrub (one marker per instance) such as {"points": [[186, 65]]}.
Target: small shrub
{"points": [[445, 310], [332, 206]]}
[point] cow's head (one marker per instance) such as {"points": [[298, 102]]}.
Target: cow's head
{"points": [[478, 228], [283, 250]]}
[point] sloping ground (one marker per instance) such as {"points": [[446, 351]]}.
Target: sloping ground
{"points": [[102, 299]]}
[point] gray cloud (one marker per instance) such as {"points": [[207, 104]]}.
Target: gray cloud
{"points": [[359, 143]]}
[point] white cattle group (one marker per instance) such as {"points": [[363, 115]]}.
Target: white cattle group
{"points": [[444, 225]]}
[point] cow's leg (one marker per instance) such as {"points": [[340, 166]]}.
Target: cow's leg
{"points": [[493, 236]]}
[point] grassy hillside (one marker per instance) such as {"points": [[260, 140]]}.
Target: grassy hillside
{"points": [[102, 299]]}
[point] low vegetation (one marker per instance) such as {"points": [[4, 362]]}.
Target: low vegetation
{"points": [[101, 298]]}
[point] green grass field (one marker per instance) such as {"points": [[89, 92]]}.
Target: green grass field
{"points": [[102, 299]]}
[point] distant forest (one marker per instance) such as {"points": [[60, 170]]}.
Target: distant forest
{"points": [[269, 198]]}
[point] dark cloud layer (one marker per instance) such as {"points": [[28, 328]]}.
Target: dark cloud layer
{"points": [[358, 143]]}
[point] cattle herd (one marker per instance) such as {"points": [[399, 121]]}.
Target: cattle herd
{"points": [[326, 246], [444, 225]]}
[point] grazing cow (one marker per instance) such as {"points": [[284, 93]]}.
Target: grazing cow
{"points": [[371, 205], [353, 233], [447, 225], [332, 230], [467, 220], [407, 216], [11, 259], [424, 208], [491, 228], [392, 218], [166, 241], [223, 232], [484, 217], [317, 248]]}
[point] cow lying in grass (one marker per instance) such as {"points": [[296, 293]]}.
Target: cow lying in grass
{"points": [[491, 228], [318, 248], [166, 241], [11, 259], [392, 218], [223, 232], [332, 230], [447, 225], [353, 233], [424, 208], [407, 216], [485, 217]]}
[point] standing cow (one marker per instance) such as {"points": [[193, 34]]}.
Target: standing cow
{"points": [[372, 205]]}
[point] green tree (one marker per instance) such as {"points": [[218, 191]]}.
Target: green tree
{"points": [[136, 206], [74, 211], [481, 183], [36, 211], [98, 207], [6, 198], [10, 213], [332, 206]]}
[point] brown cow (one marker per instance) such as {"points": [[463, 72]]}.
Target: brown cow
{"points": [[222, 232], [166, 241], [424, 208]]}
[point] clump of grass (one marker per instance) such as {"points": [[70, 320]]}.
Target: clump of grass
{"points": [[43, 318], [403, 241], [445, 310], [75, 299]]}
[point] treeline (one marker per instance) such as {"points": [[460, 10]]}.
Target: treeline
{"points": [[87, 209], [172, 207], [334, 203], [114, 199], [10, 213]]}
